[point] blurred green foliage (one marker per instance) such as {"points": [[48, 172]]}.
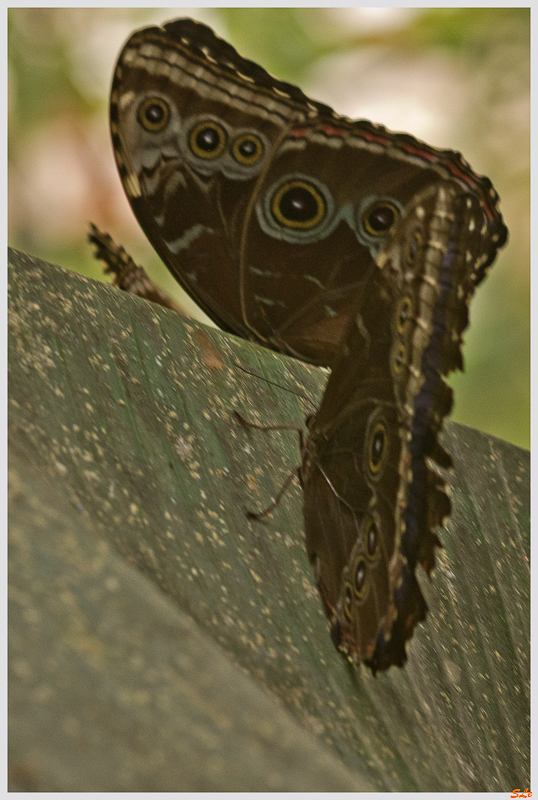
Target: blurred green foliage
{"points": [[61, 170]]}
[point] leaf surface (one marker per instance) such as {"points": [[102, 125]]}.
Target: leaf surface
{"points": [[125, 411]]}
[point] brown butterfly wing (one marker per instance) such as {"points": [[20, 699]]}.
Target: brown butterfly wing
{"points": [[349, 517], [301, 270], [190, 139], [372, 494], [205, 141]]}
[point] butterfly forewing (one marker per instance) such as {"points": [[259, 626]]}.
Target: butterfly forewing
{"points": [[268, 207], [190, 140]]}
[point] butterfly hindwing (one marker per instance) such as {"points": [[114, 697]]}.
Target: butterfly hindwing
{"points": [[372, 494]]}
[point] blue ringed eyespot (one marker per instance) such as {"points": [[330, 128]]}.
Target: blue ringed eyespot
{"points": [[380, 217], [298, 204], [399, 358], [377, 449], [247, 149], [360, 577], [413, 248], [371, 538], [153, 114], [403, 313], [207, 139]]}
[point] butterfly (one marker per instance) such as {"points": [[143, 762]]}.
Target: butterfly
{"points": [[335, 241]]}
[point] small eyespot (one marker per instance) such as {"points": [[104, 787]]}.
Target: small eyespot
{"points": [[371, 539], [153, 114], [298, 204], [360, 574], [207, 139], [247, 149], [348, 601], [380, 217], [412, 248], [399, 358], [377, 449], [403, 313]]}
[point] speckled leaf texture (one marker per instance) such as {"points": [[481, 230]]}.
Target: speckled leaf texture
{"points": [[160, 640]]}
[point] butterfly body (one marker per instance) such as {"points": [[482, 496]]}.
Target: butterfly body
{"points": [[335, 241]]}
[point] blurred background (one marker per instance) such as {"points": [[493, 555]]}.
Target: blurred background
{"points": [[457, 78]]}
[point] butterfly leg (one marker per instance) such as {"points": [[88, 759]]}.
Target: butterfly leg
{"points": [[127, 275], [271, 507], [285, 486]]}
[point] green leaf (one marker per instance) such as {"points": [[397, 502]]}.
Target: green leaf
{"points": [[159, 636]]}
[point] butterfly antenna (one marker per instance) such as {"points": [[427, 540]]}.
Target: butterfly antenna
{"points": [[278, 385]]}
